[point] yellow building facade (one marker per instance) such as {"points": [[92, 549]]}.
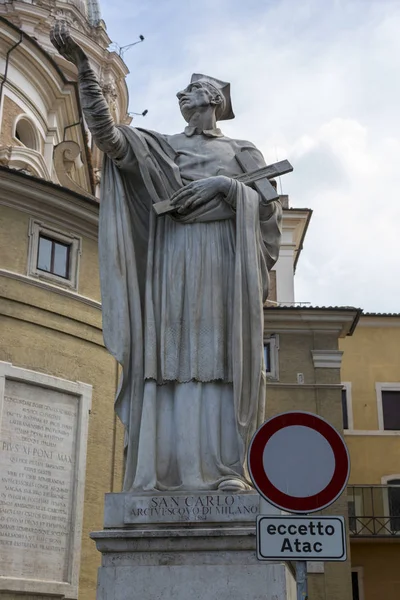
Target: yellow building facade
{"points": [[371, 399]]}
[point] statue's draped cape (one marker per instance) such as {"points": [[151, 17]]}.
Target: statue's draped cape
{"points": [[127, 233]]}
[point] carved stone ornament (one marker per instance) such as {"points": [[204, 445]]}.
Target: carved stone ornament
{"points": [[67, 156], [24, 160], [66, 15], [5, 155], [110, 93]]}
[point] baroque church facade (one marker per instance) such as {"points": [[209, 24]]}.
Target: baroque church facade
{"points": [[61, 444]]}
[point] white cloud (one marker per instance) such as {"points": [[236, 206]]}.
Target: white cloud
{"points": [[317, 82]]}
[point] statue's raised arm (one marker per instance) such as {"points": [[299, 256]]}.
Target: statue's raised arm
{"points": [[95, 108]]}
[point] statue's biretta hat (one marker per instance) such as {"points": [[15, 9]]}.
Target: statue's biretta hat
{"points": [[225, 111]]}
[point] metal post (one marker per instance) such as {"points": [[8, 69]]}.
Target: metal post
{"points": [[301, 580]]}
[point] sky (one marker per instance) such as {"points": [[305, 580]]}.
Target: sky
{"points": [[313, 81]]}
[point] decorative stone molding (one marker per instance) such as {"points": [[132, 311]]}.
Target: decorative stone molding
{"points": [[67, 158], [327, 359], [25, 160], [39, 94]]}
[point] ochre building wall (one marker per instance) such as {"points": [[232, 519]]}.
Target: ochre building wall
{"points": [[48, 332], [320, 394], [372, 356]]}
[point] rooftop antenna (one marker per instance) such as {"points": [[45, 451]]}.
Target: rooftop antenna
{"points": [[122, 49], [142, 114]]}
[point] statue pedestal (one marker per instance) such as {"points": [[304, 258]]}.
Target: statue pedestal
{"points": [[191, 560]]}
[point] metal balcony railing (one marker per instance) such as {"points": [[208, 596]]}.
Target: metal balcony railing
{"points": [[374, 510]]}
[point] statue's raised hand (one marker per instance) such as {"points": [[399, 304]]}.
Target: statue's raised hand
{"points": [[62, 40]]}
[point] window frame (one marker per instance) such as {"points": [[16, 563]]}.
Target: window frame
{"points": [[272, 342], [383, 386], [39, 229], [386, 500], [360, 579], [52, 258], [349, 405]]}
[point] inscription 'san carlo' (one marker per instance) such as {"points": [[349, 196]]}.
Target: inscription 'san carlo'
{"points": [[37, 442], [197, 507]]}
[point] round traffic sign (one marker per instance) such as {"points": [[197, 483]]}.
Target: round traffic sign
{"points": [[298, 462]]}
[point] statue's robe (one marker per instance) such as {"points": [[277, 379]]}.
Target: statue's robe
{"points": [[183, 308]]}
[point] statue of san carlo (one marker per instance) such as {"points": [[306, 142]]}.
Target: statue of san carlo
{"points": [[182, 292]]}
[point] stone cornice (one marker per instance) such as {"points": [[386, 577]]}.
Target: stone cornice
{"points": [[48, 287], [295, 225], [283, 319], [49, 202], [327, 359]]}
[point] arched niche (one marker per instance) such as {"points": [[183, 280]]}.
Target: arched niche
{"points": [[26, 133]]}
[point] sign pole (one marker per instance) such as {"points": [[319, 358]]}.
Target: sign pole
{"points": [[301, 580]]}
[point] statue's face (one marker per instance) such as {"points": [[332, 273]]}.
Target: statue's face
{"points": [[194, 97]]}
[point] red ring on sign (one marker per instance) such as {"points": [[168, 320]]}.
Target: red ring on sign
{"points": [[275, 496]]}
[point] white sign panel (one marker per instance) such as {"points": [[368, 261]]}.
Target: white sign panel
{"points": [[284, 537]]}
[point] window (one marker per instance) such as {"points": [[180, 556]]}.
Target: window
{"points": [[357, 583], [25, 132], [53, 254], [347, 408], [394, 504], [271, 348], [388, 405], [267, 357], [391, 409], [344, 409]]}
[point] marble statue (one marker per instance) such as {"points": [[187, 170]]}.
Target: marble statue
{"points": [[182, 293]]}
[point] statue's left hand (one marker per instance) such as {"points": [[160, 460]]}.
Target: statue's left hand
{"points": [[200, 192]]}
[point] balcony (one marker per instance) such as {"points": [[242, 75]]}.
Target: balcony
{"points": [[374, 511]]}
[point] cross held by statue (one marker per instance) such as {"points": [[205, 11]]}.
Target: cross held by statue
{"points": [[252, 175]]}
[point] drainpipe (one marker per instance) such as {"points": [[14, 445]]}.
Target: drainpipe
{"points": [[7, 63], [69, 127]]}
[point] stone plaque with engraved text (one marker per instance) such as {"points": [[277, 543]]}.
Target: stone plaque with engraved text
{"points": [[126, 509], [37, 473]]}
